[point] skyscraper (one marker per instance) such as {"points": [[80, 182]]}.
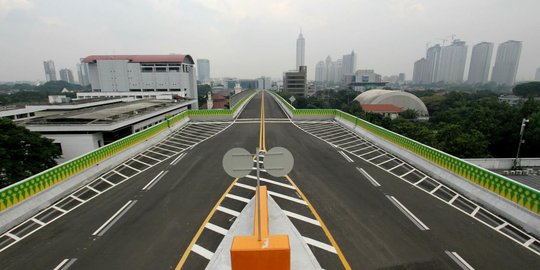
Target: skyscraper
{"points": [[50, 71], [320, 71], [349, 63], [537, 77], [82, 73], [480, 62], [433, 56], [420, 75], [507, 62], [66, 75], [338, 70], [203, 70], [452, 62], [330, 74], [300, 51]]}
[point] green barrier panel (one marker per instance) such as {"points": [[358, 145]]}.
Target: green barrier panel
{"points": [[503, 186], [24, 189]]}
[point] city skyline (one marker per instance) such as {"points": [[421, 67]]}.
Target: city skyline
{"points": [[220, 30]]}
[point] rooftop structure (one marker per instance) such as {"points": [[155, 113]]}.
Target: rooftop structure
{"points": [[400, 99], [295, 82]]}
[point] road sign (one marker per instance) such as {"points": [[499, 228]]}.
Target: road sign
{"points": [[278, 161], [238, 162], [292, 99]]}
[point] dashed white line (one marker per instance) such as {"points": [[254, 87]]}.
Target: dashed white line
{"points": [[529, 242], [216, 228], [16, 238], [93, 189], [107, 181], [369, 178], [367, 153], [142, 162], [76, 198], [150, 157], [154, 180], [175, 161], [376, 156], [123, 175], [320, 245], [399, 165], [386, 161], [228, 211], [501, 226], [245, 186], [59, 209], [112, 220], [453, 199], [238, 198], [302, 218], [202, 251], [435, 189], [38, 221], [65, 264], [345, 156], [420, 181], [458, 260], [408, 213]]}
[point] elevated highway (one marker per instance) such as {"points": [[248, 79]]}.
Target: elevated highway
{"points": [[356, 206]]}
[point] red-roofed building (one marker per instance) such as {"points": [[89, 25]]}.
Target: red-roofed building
{"points": [[386, 109], [172, 74], [219, 101]]}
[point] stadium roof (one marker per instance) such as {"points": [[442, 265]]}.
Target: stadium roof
{"points": [[167, 58]]}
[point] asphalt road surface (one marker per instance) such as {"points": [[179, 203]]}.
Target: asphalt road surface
{"points": [[153, 223]]}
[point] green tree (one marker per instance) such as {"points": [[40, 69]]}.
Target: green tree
{"points": [[409, 114], [454, 140], [530, 89], [23, 153]]}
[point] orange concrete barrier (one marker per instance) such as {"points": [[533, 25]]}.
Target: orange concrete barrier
{"points": [[272, 252]]}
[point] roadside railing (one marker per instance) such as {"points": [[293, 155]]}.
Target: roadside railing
{"points": [[518, 193]]}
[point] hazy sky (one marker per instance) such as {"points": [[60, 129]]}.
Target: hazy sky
{"points": [[252, 38]]}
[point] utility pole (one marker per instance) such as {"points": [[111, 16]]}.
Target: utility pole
{"points": [[517, 161]]}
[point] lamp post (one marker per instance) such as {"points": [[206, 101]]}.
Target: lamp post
{"points": [[517, 161]]}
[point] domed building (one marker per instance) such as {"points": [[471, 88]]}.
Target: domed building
{"points": [[379, 100]]}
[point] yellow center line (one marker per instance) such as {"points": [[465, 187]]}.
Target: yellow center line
{"points": [[323, 226], [201, 229]]}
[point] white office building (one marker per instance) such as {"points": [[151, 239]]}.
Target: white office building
{"points": [[126, 74], [507, 62], [203, 70], [452, 62], [349, 63], [480, 62], [82, 74], [300, 51], [420, 73], [264, 83], [433, 57]]}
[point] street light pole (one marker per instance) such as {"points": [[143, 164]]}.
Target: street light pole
{"points": [[517, 161]]}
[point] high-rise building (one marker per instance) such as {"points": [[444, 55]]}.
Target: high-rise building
{"points": [[452, 62], [82, 73], [330, 74], [537, 77], [50, 71], [264, 83], [338, 70], [300, 51], [295, 82], [401, 78], [507, 62], [203, 70], [367, 76], [320, 69], [66, 75], [433, 57], [480, 62], [349, 63], [420, 75]]}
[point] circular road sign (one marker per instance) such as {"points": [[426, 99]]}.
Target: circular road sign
{"points": [[237, 162], [278, 161]]}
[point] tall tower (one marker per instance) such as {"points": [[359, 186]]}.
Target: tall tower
{"points": [[50, 71], [480, 62], [452, 62], [349, 63], [507, 62], [300, 51], [433, 56]]}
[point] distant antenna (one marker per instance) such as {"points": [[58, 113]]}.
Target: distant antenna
{"points": [[443, 40]]}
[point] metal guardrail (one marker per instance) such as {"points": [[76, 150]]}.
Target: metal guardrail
{"points": [[32, 185], [518, 193]]}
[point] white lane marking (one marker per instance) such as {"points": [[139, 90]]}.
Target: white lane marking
{"points": [[238, 198], [367, 153], [114, 171], [65, 264], [275, 194], [176, 148], [354, 145], [180, 142], [245, 186], [228, 211], [458, 260], [339, 136], [216, 228], [385, 161], [302, 218], [76, 198], [369, 178], [93, 189], [112, 220], [475, 211], [435, 189], [403, 175], [270, 181], [420, 181], [399, 165], [376, 156], [151, 157], [154, 180], [164, 149], [339, 142], [16, 238], [59, 209], [501, 226], [529, 242], [319, 244], [142, 162], [453, 199], [158, 153], [175, 161], [175, 143], [38, 221], [135, 169], [107, 181], [408, 213], [345, 156], [262, 170], [202, 251]]}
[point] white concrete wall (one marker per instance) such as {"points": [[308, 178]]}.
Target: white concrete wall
{"points": [[503, 163], [74, 145]]}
